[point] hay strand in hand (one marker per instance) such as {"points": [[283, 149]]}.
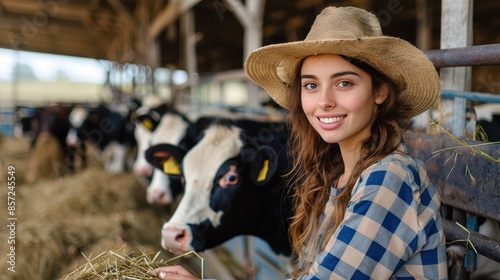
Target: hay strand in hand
{"points": [[111, 265]]}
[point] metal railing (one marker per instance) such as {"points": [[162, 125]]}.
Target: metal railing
{"points": [[457, 196]]}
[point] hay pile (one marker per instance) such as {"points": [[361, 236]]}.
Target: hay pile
{"points": [[47, 158], [127, 265], [14, 151], [60, 221], [65, 224]]}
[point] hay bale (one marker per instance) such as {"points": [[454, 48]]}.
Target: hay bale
{"points": [[46, 158], [59, 219], [14, 152], [90, 212], [91, 192], [45, 247]]}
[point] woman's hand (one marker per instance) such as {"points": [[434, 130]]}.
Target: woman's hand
{"points": [[174, 272]]}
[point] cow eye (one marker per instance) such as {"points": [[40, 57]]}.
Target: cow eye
{"points": [[231, 178]]}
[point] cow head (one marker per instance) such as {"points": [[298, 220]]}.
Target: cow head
{"points": [[76, 118], [229, 190], [171, 128], [146, 120]]}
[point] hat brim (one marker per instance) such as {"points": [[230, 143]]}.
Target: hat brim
{"points": [[407, 66]]}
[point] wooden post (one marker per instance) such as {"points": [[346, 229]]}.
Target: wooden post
{"points": [[251, 18], [424, 25], [423, 42], [252, 40], [456, 32], [187, 29]]}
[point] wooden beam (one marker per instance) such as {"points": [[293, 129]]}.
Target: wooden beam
{"points": [[241, 13], [91, 21], [39, 9], [124, 13], [168, 15], [56, 34]]}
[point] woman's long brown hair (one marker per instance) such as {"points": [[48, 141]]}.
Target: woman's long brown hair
{"points": [[316, 164]]}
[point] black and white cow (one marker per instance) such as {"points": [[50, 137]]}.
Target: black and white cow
{"points": [[165, 125], [74, 140], [26, 121], [491, 128], [49, 154], [233, 185], [168, 126], [142, 134], [110, 131]]}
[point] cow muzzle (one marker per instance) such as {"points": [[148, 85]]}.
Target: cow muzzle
{"points": [[176, 239], [143, 170], [158, 197]]}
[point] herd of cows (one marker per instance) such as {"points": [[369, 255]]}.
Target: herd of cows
{"points": [[225, 173]]}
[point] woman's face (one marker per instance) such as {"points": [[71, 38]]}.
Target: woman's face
{"points": [[338, 100]]}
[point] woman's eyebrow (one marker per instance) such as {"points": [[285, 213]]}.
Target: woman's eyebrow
{"points": [[308, 77], [345, 73], [335, 75]]}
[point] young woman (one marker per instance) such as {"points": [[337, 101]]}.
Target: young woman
{"points": [[364, 208]]}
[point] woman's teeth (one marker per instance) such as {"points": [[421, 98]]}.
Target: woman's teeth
{"points": [[331, 120]]}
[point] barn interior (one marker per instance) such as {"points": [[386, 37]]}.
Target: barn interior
{"points": [[150, 32], [206, 40]]}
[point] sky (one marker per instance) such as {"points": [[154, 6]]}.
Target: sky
{"points": [[79, 69], [45, 66]]}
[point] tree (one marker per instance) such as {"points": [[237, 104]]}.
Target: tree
{"points": [[24, 72], [62, 75]]}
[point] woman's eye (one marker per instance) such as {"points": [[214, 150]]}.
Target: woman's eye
{"points": [[310, 86], [344, 84]]}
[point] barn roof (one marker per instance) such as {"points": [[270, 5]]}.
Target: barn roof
{"points": [[122, 30]]}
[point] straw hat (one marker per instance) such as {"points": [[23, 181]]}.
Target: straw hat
{"points": [[351, 32]]}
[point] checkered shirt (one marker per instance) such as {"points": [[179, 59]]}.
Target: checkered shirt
{"points": [[392, 227]]}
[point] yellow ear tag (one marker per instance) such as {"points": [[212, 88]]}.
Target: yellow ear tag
{"points": [[171, 167], [263, 171], [148, 124]]}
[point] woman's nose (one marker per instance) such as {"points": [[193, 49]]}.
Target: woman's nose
{"points": [[326, 100]]}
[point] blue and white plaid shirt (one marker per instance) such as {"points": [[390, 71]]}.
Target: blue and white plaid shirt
{"points": [[392, 227]]}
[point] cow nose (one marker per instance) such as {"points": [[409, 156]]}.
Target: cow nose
{"points": [[143, 170], [72, 141], [158, 197], [176, 238]]}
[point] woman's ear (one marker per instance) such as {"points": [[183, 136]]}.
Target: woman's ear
{"points": [[381, 94]]}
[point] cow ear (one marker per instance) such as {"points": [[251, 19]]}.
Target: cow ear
{"points": [[149, 121], [264, 167], [166, 157]]}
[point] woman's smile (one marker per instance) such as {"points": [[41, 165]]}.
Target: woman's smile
{"points": [[337, 98], [331, 120]]}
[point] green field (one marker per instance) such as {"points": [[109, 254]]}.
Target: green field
{"points": [[41, 93]]}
